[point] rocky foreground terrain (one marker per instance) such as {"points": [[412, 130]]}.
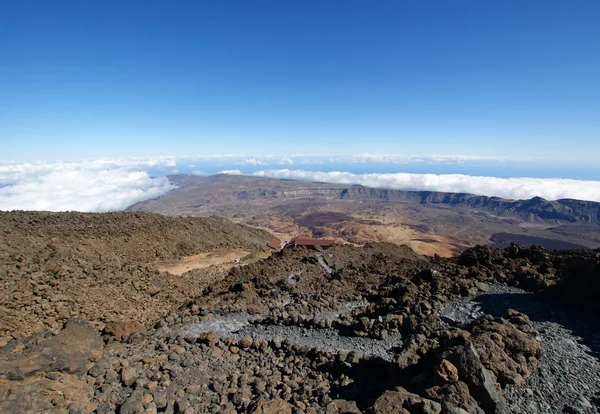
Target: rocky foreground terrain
{"points": [[373, 329], [99, 267]]}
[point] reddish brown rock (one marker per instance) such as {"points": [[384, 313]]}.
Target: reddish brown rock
{"points": [[446, 372], [68, 352], [342, 407], [277, 406], [122, 330], [44, 375], [404, 402]]}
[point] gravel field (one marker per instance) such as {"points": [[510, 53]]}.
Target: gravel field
{"points": [[237, 325]]}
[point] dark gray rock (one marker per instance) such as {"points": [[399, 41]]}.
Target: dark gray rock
{"points": [[132, 405]]}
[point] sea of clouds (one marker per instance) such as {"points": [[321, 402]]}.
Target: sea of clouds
{"points": [[393, 159], [101, 185], [95, 185]]}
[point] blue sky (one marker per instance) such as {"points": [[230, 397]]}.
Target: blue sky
{"points": [[81, 79]]}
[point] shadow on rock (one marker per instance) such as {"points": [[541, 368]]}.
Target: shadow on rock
{"points": [[545, 310], [363, 382]]}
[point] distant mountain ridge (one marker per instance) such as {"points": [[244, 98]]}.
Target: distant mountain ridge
{"points": [[430, 222], [232, 187], [535, 209]]}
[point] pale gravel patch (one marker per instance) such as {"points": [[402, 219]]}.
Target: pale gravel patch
{"points": [[334, 314], [466, 310], [220, 325], [326, 339], [237, 325], [324, 265], [568, 377]]}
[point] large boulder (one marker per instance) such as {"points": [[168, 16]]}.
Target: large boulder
{"points": [[507, 347], [59, 394], [120, 330], [402, 401], [67, 352], [455, 394], [481, 382], [579, 284], [342, 407], [446, 372], [40, 374], [277, 406]]}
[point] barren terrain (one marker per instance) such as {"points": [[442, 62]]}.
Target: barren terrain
{"points": [[221, 258], [431, 223], [106, 268], [90, 324]]}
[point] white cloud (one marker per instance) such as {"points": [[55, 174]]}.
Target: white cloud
{"points": [[231, 172], [419, 159], [306, 161], [114, 184], [94, 185], [510, 188], [251, 161], [270, 159]]}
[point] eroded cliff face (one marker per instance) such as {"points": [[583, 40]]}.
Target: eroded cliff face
{"points": [[534, 210], [430, 222], [350, 193], [283, 194]]}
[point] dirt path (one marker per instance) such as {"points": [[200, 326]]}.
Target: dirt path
{"points": [[223, 257]]}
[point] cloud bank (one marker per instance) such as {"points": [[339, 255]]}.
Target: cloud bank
{"points": [[101, 185], [93, 186], [266, 160], [511, 188]]}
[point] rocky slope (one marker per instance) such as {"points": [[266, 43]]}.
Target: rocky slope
{"points": [[375, 329], [57, 266]]}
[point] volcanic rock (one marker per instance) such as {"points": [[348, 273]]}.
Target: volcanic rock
{"points": [[276, 406], [67, 352], [402, 401]]}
